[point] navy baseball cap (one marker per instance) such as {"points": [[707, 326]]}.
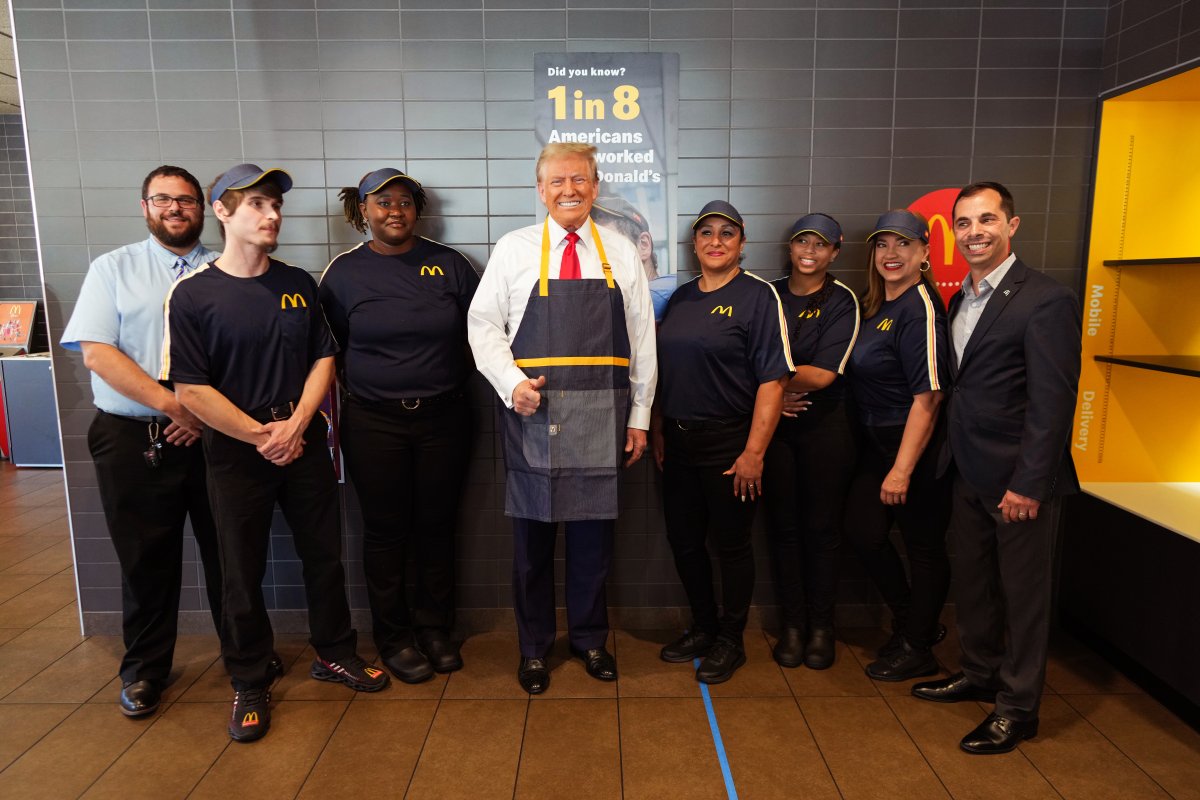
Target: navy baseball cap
{"points": [[903, 223], [822, 225], [380, 178], [243, 176], [620, 207], [721, 209]]}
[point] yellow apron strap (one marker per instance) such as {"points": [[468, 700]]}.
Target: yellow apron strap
{"points": [[544, 279], [608, 278]]}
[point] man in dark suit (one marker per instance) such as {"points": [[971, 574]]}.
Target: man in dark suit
{"points": [[1015, 371]]}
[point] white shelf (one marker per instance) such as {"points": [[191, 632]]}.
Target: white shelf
{"points": [[1175, 506]]}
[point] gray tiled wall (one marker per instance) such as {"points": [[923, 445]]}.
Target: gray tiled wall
{"points": [[1143, 37], [844, 106]]}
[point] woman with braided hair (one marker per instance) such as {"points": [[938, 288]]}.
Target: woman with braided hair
{"points": [[810, 460], [397, 305]]}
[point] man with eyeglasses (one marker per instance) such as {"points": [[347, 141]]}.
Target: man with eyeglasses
{"points": [[149, 469]]}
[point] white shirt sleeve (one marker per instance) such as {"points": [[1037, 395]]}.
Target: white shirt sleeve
{"points": [[488, 322], [639, 323]]}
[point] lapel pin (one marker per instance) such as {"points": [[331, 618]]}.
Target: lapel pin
{"points": [[1007, 292]]}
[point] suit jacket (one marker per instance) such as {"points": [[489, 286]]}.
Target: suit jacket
{"points": [[1012, 405]]}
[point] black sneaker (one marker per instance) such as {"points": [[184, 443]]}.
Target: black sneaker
{"points": [[723, 659], [251, 716], [352, 671], [275, 668], [910, 662], [691, 645]]}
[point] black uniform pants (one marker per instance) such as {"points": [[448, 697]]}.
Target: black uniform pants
{"points": [[806, 476], [244, 488], [698, 501], [145, 509], [1003, 597], [589, 546], [408, 468], [922, 521]]}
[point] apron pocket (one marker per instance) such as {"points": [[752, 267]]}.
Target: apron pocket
{"points": [[535, 441], [583, 430]]}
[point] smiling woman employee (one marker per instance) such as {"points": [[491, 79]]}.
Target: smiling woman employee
{"points": [[897, 372], [397, 305], [723, 361]]}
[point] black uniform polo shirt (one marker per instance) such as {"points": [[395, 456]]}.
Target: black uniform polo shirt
{"points": [[824, 336]]}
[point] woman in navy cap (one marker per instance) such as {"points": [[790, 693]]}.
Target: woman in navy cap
{"points": [[723, 362], [898, 371], [811, 458], [397, 306]]}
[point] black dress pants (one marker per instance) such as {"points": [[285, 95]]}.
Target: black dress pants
{"points": [[922, 521], [698, 501], [145, 509], [244, 488], [806, 476], [1004, 573], [408, 467]]}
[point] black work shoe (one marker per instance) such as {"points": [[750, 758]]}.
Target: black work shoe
{"points": [[251, 716], [598, 662], [723, 659], [789, 650], [409, 665], [140, 698], [533, 675], [819, 649], [955, 689], [275, 667], [352, 671], [896, 642], [910, 662], [691, 645], [441, 652], [998, 734]]}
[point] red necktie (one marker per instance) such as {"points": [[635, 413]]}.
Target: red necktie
{"points": [[569, 271]]}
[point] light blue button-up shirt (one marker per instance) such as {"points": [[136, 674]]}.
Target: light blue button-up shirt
{"points": [[121, 304], [972, 305]]}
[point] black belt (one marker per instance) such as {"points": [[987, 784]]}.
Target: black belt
{"points": [[693, 425], [274, 413], [409, 404], [144, 420]]}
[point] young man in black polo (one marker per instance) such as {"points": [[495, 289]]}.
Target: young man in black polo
{"points": [[250, 354]]}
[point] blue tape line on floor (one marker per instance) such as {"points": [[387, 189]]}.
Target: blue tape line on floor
{"points": [[730, 789]]}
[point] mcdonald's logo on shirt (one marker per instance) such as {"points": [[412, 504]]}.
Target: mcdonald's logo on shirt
{"points": [[809, 313], [295, 300], [885, 324], [726, 310], [434, 270]]}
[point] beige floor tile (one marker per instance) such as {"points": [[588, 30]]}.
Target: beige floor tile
{"points": [[644, 674], [490, 670], [1079, 762], [277, 765], [937, 729], [75, 677], [760, 676], [170, 758], [1160, 743], [569, 678], [67, 760], [472, 751], [867, 750], [26, 521], [38, 602], [10, 633], [66, 618], [19, 548], [771, 752], [48, 561], [15, 584], [26, 655], [23, 725], [667, 750], [570, 744], [373, 751], [1072, 668]]}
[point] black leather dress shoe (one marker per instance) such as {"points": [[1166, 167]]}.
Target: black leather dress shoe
{"points": [[955, 689], [819, 648], [409, 665], [599, 663], [998, 734], [789, 650], [723, 659], [691, 645], [910, 662], [533, 675], [895, 642], [441, 651], [140, 698]]}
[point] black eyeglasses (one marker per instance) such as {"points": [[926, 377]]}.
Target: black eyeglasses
{"points": [[165, 200]]}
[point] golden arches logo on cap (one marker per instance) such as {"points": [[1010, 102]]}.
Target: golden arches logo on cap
{"points": [[243, 176], [720, 208]]}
